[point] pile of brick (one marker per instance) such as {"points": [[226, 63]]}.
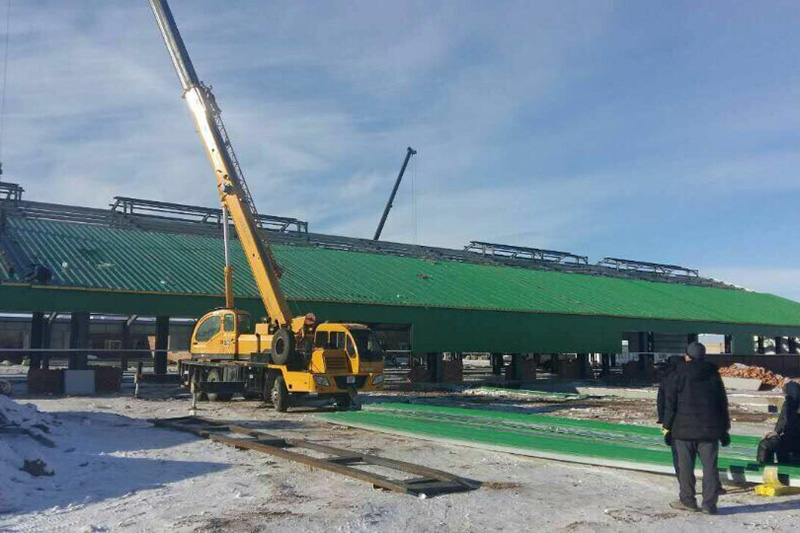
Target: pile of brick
{"points": [[767, 377]]}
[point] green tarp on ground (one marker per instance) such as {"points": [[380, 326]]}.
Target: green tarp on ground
{"points": [[581, 441]]}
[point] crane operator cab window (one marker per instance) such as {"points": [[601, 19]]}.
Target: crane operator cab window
{"points": [[207, 329], [336, 340], [369, 349], [329, 340], [321, 339], [228, 323], [245, 323]]}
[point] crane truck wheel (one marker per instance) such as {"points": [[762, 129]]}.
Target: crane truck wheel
{"points": [[342, 402], [282, 346], [215, 376], [280, 395]]}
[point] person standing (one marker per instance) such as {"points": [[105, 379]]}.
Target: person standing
{"points": [[696, 421]]}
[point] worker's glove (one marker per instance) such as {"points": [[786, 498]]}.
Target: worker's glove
{"points": [[725, 440], [771, 435], [667, 436]]}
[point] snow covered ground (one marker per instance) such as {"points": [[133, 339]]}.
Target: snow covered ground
{"points": [[114, 471]]}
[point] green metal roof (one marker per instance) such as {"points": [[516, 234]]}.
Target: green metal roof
{"points": [[92, 256]]}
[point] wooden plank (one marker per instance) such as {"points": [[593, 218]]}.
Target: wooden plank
{"points": [[432, 481], [375, 479]]}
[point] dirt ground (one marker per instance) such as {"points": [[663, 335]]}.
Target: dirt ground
{"points": [[119, 473]]}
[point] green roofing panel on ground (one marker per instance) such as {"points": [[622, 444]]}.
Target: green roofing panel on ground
{"points": [[93, 256], [583, 441]]}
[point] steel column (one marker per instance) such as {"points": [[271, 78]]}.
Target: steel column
{"points": [[435, 366], [79, 340], [37, 339], [162, 345]]}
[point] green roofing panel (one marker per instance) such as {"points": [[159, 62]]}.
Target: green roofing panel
{"points": [[584, 441], [82, 255]]}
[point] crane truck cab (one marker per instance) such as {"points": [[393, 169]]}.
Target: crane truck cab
{"points": [[232, 354]]}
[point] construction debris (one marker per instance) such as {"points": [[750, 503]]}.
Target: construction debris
{"points": [[739, 370]]}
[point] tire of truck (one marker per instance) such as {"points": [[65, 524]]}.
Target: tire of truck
{"points": [[343, 402], [282, 347], [280, 395], [215, 376], [196, 379]]}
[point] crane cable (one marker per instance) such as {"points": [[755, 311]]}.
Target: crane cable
{"points": [[5, 80]]}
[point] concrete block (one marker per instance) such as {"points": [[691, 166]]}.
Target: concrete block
{"points": [[79, 382], [741, 383]]}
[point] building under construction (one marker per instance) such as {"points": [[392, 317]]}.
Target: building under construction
{"points": [[156, 263]]}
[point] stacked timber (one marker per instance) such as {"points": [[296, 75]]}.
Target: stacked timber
{"points": [[738, 370]]}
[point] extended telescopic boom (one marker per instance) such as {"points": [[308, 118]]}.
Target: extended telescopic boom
{"points": [[231, 186], [389, 204]]}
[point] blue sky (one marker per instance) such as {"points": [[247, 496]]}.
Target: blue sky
{"points": [[661, 131]]}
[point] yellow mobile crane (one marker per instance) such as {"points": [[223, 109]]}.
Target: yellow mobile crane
{"points": [[283, 357]]}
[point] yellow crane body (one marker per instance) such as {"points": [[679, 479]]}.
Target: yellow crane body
{"points": [[284, 355]]}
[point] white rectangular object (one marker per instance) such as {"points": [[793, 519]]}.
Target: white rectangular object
{"points": [[79, 382], [741, 383]]}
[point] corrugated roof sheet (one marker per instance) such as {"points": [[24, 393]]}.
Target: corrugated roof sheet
{"points": [[85, 255]]}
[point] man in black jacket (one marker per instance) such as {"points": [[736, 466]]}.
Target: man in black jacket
{"points": [[696, 420]]}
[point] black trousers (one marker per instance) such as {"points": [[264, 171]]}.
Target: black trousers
{"points": [[684, 455], [785, 447]]}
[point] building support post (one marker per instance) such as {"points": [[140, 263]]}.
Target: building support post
{"points": [[79, 340], [728, 344], [127, 341], [162, 345], [760, 344], [605, 361], [641, 341], [435, 366], [38, 326], [778, 345], [792, 342], [645, 366], [516, 367], [583, 366], [497, 363], [47, 337]]}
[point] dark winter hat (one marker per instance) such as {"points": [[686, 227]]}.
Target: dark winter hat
{"points": [[696, 350]]}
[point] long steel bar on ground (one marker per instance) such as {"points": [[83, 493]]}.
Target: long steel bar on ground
{"points": [[430, 482]]}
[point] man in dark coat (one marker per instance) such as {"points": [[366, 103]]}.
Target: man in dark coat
{"points": [[696, 421]]}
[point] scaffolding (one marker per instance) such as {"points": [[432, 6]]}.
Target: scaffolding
{"points": [[191, 213], [658, 269], [523, 252]]}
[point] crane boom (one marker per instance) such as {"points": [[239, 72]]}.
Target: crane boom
{"points": [[389, 204], [231, 185]]}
